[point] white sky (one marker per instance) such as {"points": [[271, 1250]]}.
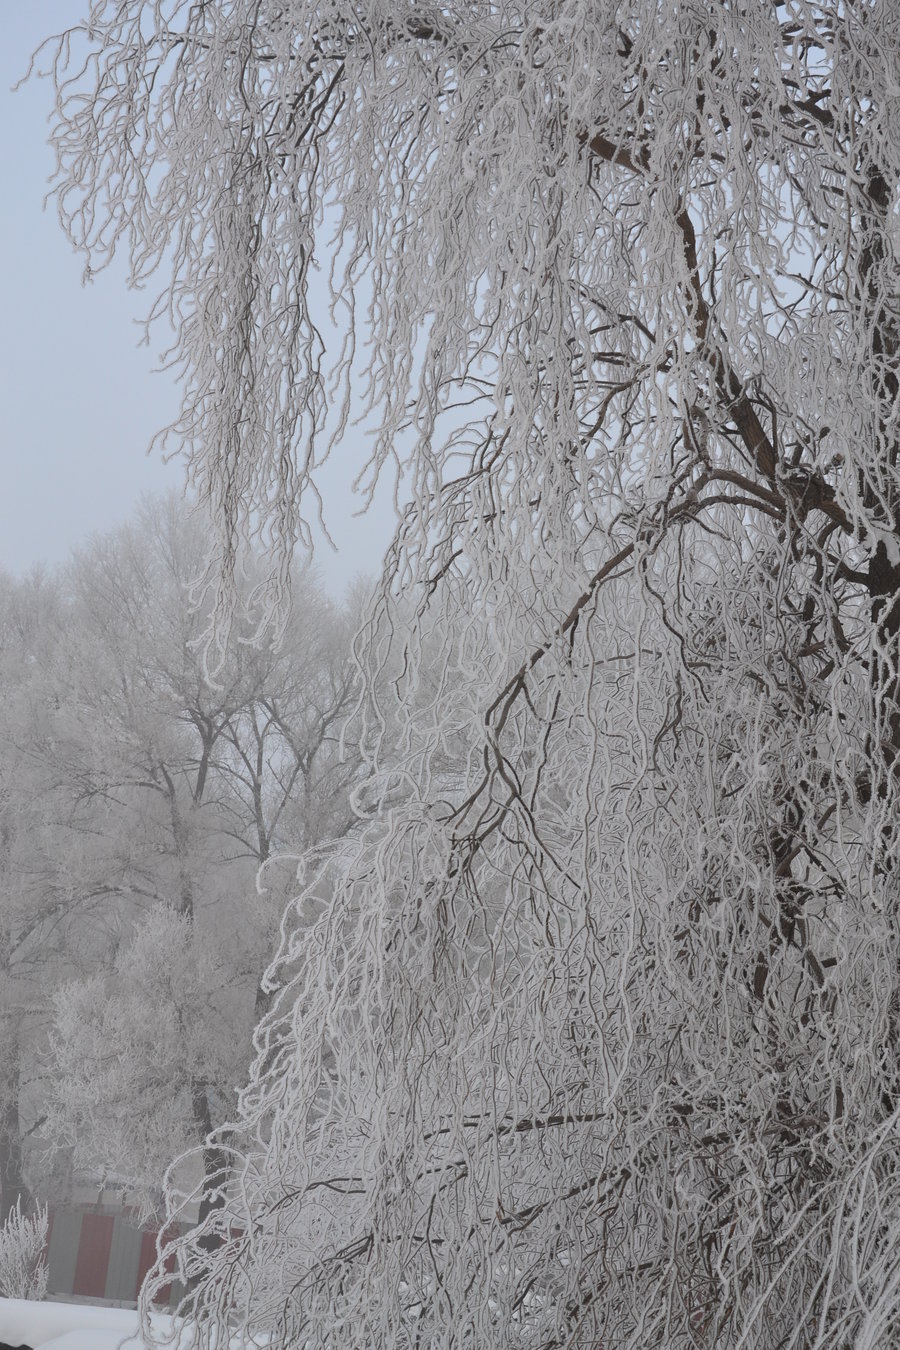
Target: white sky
{"points": [[80, 401]]}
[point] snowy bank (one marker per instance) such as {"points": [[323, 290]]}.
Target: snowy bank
{"points": [[72, 1326], [87, 1326]]}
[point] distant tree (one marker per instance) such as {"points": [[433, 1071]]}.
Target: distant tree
{"points": [[592, 1033], [146, 1054], [179, 791], [33, 908]]}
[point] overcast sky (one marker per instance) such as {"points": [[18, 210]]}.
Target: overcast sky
{"points": [[79, 396]]}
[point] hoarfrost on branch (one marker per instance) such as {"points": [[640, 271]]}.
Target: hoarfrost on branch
{"points": [[593, 1040]]}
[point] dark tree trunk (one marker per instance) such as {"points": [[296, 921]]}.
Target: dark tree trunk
{"points": [[12, 1183], [215, 1166], [882, 501]]}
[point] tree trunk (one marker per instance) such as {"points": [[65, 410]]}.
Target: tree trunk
{"points": [[215, 1166], [883, 788], [12, 1183]]}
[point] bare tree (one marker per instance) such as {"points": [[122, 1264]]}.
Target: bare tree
{"points": [[593, 1040]]}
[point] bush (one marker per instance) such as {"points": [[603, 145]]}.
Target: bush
{"points": [[23, 1269]]}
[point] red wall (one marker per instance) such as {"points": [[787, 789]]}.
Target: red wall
{"points": [[79, 1256], [93, 1255]]}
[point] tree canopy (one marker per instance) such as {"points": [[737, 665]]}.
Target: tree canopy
{"points": [[137, 806], [589, 1033]]}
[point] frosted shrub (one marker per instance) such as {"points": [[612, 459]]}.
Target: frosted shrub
{"points": [[23, 1269]]}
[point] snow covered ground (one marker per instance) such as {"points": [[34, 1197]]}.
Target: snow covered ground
{"points": [[73, 1326], [86, 1326]]}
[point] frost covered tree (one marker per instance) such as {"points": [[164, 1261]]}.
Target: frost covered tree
{"points": [[589, 1032], [145, 1052], [32, 906], [177, 792]]}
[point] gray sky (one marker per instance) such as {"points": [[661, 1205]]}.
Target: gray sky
{"points": [[80, 399]]}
